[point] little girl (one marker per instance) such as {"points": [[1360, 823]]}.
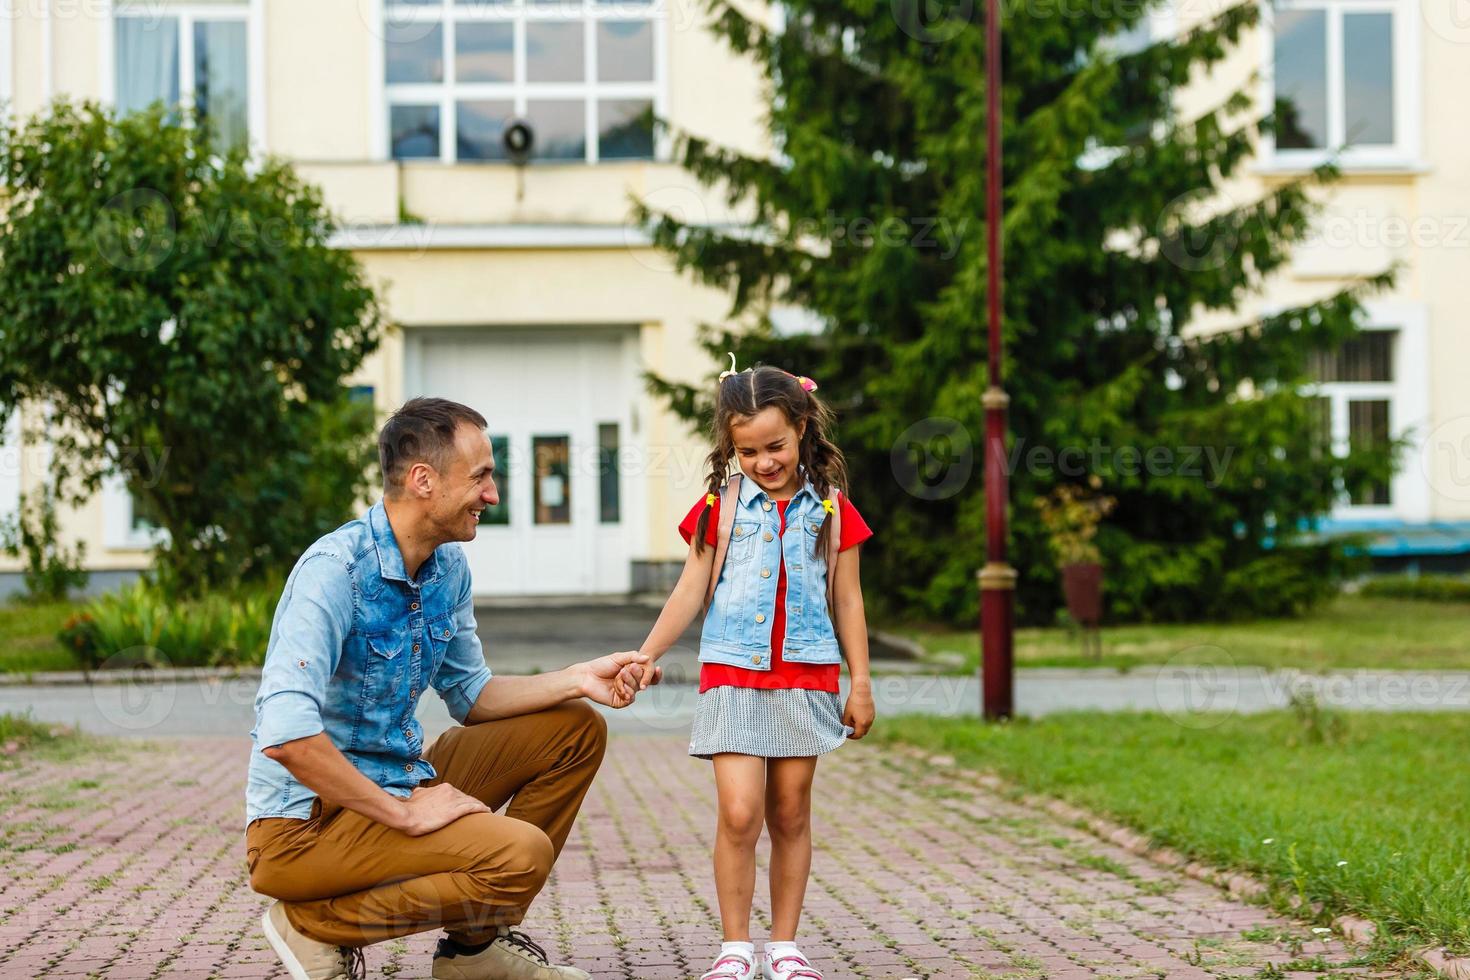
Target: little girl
{"points": [[779, 620]]}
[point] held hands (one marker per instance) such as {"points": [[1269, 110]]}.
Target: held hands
{"points": [[430, 808], [614, 680], [859, 712], [638, 677]]}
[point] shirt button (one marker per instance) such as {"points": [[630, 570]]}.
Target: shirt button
{"points": [[413, 692], [413, 605], [767, 505], [415, 648], [760, 617], [765, 573], [408, 767], [755, 659], [446, 634], [768, 536], [739, 531]]}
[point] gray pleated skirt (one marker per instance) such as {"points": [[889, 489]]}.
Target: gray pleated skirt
{"points": [[770, 724]]}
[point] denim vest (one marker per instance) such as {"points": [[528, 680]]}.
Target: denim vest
{"points": [[737, 626]]}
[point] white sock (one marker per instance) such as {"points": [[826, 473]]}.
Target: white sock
{"points": [[745, 948]]}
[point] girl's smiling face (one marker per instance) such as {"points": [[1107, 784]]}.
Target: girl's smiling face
{"points": [[769, 448]]}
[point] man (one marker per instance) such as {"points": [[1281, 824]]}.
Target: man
{"points": [[359, 834]]}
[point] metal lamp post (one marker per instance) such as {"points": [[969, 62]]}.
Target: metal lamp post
{"points": [[997, 578]]}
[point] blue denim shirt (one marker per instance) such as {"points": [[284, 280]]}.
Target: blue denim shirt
{"points": [[354, 643], [737, 627]]}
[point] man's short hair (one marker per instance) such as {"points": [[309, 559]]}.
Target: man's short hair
{"points": [[422, 431]]}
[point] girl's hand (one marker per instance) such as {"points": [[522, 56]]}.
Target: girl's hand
{"points": [[603, 679], [634, 678], [859, 712]]}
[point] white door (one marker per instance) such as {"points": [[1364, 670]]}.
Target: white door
{"points": [[558, 409]]}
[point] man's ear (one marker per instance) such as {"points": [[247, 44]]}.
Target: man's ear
{"points": [[420, 480]]}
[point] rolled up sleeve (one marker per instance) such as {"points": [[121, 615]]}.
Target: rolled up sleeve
{"points": [[311, 624], [463, 673]]}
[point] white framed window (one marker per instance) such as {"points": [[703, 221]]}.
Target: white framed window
{"points": [[124, 526], [1372, 389], [586, 75], [206, 55], [1342, 81], [11, 454]]}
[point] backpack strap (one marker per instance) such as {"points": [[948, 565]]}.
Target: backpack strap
{"points": [[728, 499], [834, 547]]}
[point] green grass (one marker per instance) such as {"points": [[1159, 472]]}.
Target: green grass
{"points": [[1286, 795], [1348, 633], [28, 637], [22, 732]]}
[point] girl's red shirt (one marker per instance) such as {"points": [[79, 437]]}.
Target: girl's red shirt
{"points": [[782, 675]]}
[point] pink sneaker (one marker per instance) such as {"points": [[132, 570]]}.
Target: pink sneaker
{"points": [[732, 966], [789, 965]]}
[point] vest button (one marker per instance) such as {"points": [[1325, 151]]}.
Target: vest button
{"points": [[768, 536], [408, 767], [766, 505], [415, 648], [414, 606], [755, 659], [760, 617], [765, 573]]}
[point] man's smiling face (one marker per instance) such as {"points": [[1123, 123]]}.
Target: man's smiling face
{"points": [[466, 487]]}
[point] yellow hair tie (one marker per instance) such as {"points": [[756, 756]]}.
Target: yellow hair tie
{"points": [[828, 507], [709, 500]]}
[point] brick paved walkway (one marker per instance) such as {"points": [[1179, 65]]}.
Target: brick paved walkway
{"points": [[128, 863]]}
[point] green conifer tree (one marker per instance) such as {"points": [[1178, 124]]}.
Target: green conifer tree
{"points": [[1117, 236]]}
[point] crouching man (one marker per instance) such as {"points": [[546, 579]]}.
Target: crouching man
{"points": [[361, 835]]}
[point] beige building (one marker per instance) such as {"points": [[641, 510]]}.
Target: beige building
{"points": [[525, 292]]}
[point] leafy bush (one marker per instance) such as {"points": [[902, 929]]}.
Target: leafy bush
{"points": [[1430, 588], [52, 570], [142, 625], [179, 309]]}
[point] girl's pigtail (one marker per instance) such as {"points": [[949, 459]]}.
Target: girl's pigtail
{"points": [[825, 465], [716, 481]]}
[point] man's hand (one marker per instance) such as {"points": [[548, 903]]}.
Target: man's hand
{"points": [[611, 680], [430, 808], [859, 712], [635, 678]]}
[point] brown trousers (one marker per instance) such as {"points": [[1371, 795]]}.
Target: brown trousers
{"points": [[350, 881]]}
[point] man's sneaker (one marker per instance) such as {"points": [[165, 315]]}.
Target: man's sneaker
{"points": [[511, 955], [305, 958], [789, 965], [732, 966]]}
